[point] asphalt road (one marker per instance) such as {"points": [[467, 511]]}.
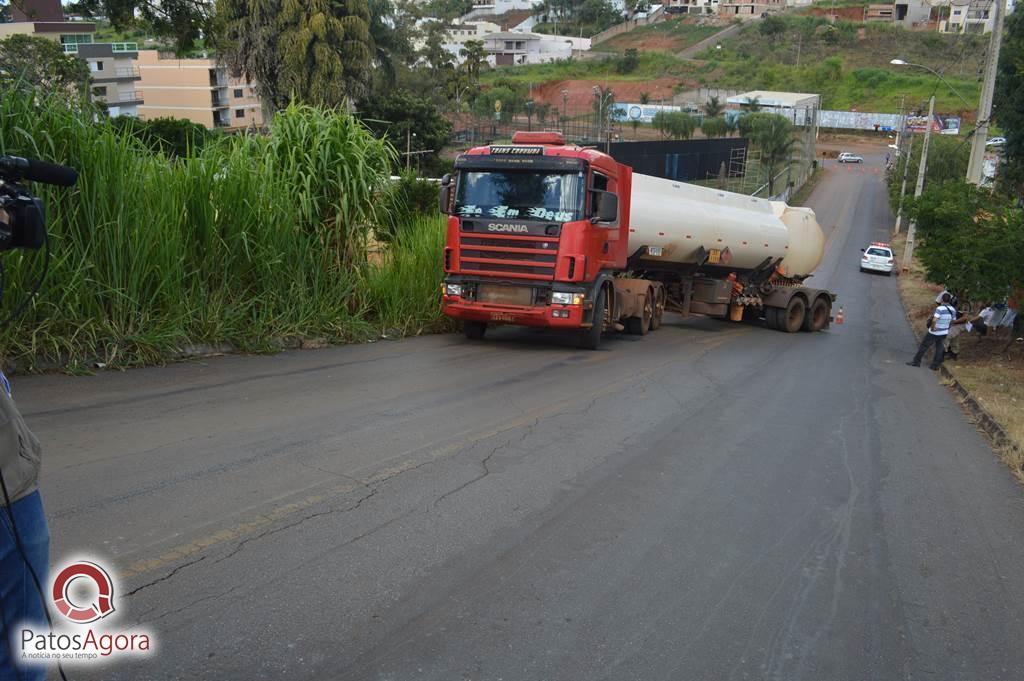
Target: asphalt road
{"points": [[713, 501]]}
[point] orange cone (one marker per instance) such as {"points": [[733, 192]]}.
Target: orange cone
{"points": [[839, 315]]}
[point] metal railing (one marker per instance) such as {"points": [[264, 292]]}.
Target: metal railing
{"points": [[72, 48], [125, 73]]}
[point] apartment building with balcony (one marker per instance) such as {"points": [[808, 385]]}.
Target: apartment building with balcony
{"points": [[115, 76], [200, 90]]}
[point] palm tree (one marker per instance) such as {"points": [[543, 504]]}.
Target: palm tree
{"points": [[324, 50], [773, 135], [645, 98], [476, 58], [753, 104], [714, 107]]}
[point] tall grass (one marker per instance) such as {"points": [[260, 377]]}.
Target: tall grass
{"points": [[251, 241]]}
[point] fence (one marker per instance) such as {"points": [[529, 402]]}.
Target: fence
{"points": [[627, 26]]}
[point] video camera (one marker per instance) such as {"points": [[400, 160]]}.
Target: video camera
{"points": [[25, 223]]}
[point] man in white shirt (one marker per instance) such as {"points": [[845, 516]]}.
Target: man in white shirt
{"points": [[945, 316]]}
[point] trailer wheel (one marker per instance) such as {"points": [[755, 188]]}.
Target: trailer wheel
{"points": [[590, 339], [792, 318], [817, 318], [639, 326], [474, 330]]}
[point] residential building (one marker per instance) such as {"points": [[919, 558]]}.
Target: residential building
{"points": [[200, 90], [912, 13], [883, 12], [691, 7], [510, 48], [748, 9], [114, 75], [972, 16], [45, 19]]}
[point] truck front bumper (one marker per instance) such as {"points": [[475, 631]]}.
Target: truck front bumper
{"points": [[544, 316]]}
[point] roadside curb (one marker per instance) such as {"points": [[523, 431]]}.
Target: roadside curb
{"points": [[996, 433]]}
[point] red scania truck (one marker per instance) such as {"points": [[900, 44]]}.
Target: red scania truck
{"points": [[541, 233]]}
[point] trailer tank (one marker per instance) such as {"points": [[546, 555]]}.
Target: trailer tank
{"points": [[681, 218]]}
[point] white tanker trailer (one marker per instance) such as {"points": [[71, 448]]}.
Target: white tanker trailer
{"points": [[546, 234]]}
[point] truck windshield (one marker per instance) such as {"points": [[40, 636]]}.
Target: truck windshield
{"points": [[520, 194]]}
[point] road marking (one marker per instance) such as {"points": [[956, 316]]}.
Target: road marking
{"points": [[464, 439]]}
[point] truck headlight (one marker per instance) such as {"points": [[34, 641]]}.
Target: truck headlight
{"points": [[453, 290], [566, 298]]}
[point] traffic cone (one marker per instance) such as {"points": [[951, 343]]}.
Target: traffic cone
{"points": [[839, 315]]}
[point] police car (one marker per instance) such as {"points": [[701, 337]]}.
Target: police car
{"points": [[877, 257]]}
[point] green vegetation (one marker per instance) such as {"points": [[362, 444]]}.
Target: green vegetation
{"points": [[651, 65], [170, 136], [31, 62], [253, 240], [1009, 105], [848, 64], [674, 124], [577, 17], [672, 35], [947, 162]]}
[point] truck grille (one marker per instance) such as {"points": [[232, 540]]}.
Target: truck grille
{"points": [[520, 257]]}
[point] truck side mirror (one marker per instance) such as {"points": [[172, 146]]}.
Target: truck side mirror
{"points": [[445, 197], [606, 207]]}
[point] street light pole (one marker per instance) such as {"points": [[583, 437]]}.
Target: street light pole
{"points": [[906, 163], [977, 160], [908, 252]]}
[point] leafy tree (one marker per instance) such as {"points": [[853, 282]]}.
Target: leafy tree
{"points": [[970, 240], [629, 61], [403, 117], [390, 38], [433, 52], [172, 136], [773, 135], [314, 51], [184, 20], [1009, 104], [38, 63], [772, 26], [674, 124], [512, 102], [645, 97], [947, 162], [714, 107], [714, 127], [475, 56]]}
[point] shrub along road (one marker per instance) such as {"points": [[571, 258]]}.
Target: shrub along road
{"points": [[712, 501]]}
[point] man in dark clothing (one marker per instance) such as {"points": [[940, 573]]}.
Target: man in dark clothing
{"points": [[945, 315]]}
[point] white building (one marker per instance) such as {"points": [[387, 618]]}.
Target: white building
{"points": [[691, 7], [512, 48], [502, 6], [971, 16]]}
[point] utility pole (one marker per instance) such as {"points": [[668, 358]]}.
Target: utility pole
{"points": [[906, 163], [908, 252], [977, 162]]}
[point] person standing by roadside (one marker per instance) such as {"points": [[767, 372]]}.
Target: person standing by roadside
{"points": [[24, 535], [938, 328]]}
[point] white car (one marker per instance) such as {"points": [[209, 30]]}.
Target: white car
{"points": [[996, 142], [847, 157], [877, 257]]}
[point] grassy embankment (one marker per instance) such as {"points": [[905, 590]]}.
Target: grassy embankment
{"points": [[671, 35], [255, 241], [988, 367], [848, 65]]}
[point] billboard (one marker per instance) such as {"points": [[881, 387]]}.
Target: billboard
{"points": [[638, 112]]}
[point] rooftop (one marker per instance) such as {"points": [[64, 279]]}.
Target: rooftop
{"points": [[779, 99]]}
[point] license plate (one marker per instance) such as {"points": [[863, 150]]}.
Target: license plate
{"points": [[502, 317], [504, 295]]}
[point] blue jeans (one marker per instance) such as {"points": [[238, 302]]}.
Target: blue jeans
{"points": [[19, 600]]}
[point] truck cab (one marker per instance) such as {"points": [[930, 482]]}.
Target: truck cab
{"points": [[535, 229]]}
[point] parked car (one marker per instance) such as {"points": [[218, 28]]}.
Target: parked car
{"points": [[847, 157], [996, 142]]}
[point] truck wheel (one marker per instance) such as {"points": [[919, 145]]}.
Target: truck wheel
{"points": [[474, 330], [817, 318], [639, 326], [771, 317], [590, 339], [792, 318]]}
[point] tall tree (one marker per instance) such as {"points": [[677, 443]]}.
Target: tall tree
{"points": [[314, 51], [1009, 104], [773, 135], [184, 20], [714, 107], [40, 63], [475, 56]]}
